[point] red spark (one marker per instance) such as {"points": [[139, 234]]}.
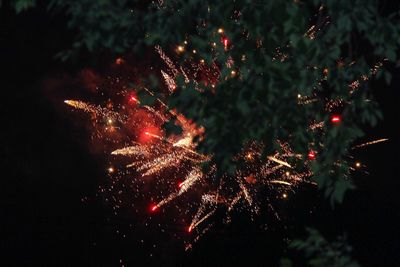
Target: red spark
{"points": [[336, 119], [225, 41], [142, 121], [311, 155], [180, 184], [189, 229], [133, 99], [153, 208], [149, 134]]}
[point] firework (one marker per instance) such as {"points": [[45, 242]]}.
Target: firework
{"points": [[151, 153]]}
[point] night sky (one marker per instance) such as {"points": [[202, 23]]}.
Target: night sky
{"points": [[47, 168]]}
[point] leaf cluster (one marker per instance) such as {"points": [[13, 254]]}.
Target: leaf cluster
{"points": [[318, 252]]}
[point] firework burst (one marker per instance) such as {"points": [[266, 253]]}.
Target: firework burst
{"points": [[173, 160]]}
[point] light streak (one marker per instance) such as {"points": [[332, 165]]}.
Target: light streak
{"points": [[280, 182], [279, 161], [371, 143]]}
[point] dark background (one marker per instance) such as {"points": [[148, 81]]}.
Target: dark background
{"points": [[47, 168]]}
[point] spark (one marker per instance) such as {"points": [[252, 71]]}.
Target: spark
{"points": [[371, 143], [169, 81], [235, 201], [335, 119], [132, 150], [284, 163], [153, 135], [99, 111], [280, 182], [226, 42], [194, 224], [311, 155], [191, 179]]}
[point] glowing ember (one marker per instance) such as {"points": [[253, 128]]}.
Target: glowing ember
{"points": [[336, 119], [133, 99], [226, 42], [311, 155], [181, 48]]}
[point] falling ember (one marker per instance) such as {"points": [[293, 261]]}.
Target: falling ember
{"points": [[225, 41], [133, 99], [280, 182], [169, 80], [311, 155], [336, 119], [153, 208], [370, 143], [150, 134], [279, 161]]}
